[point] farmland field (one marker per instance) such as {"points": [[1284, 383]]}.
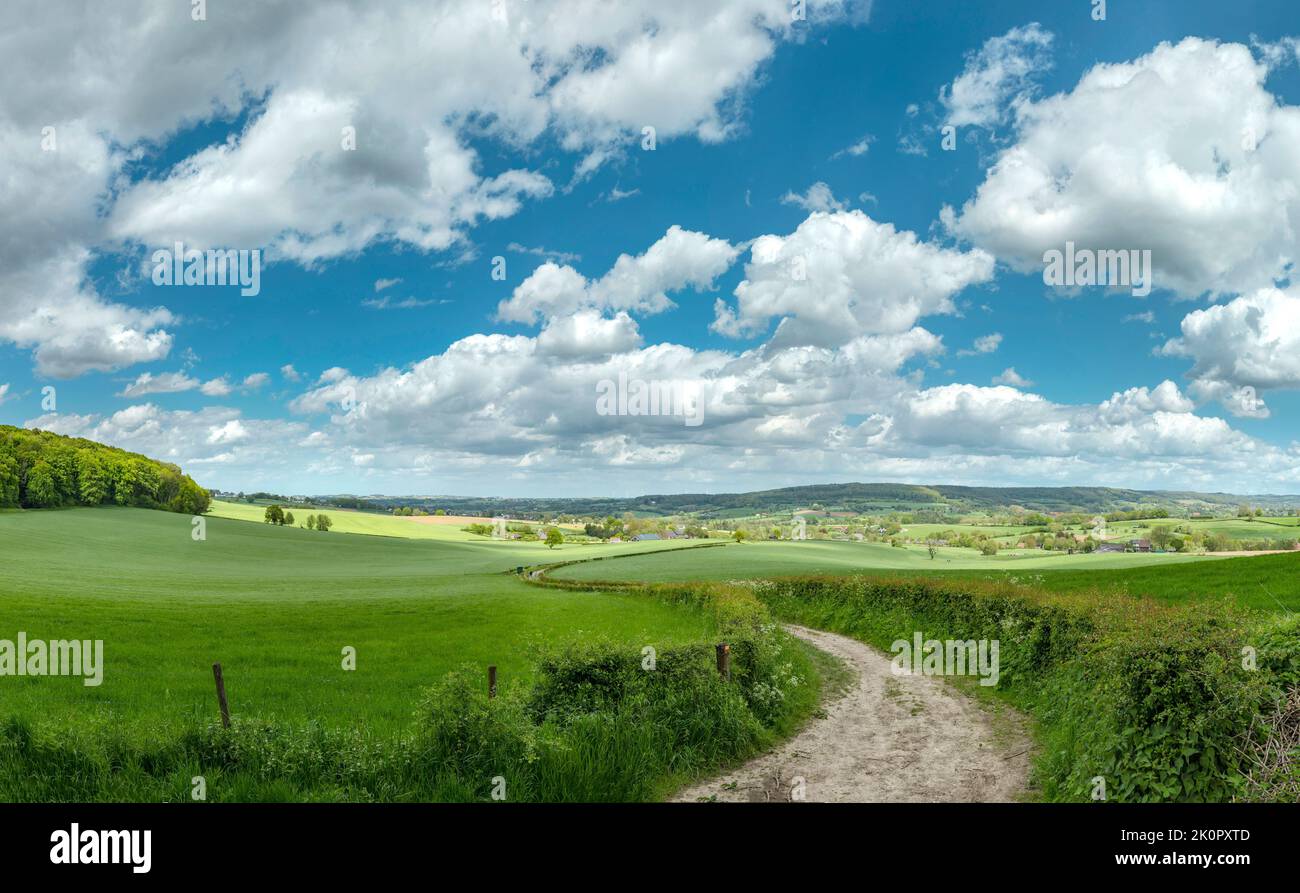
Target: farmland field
{"points": [[276, 606], [758, 559], [996, 531], [368, 523], [1267, 582], [1234, 528]]}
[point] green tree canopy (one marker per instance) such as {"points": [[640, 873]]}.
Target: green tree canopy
{"points": [[40, 469]]}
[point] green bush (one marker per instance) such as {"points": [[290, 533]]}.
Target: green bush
{"points": [[1159, 710]]}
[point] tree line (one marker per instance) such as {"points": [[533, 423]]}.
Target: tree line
{"points": [[39, 469]]}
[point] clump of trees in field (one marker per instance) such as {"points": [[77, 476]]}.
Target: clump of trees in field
{"points": [[39, 469], [321, 522], [276, 514], [604, 531], [1058, 541]]}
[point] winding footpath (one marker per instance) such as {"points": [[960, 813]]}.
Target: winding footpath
{"points": [[893, 739], [882, 739]]}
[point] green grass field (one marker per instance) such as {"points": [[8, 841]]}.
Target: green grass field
{"points": [[1267, 582], [997, 531], [759, 559], [276, 606], [368, 523], [1233, 528]]}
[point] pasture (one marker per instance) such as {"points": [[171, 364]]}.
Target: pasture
{"points": [[276, 606], [1269, 583], [1283, 527], [428, 527], [769, 559], [1000, 532]]}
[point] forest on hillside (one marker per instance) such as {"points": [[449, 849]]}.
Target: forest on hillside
{"points": [[39, 469]]}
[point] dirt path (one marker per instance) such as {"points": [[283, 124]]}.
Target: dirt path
{"points": [[888, 739]]}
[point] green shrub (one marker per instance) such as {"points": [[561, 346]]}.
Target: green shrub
{"points": [[462, 733], [1278, 652], [1158, 710]]}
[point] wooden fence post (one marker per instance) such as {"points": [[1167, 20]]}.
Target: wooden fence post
{"points": [[724, 660], [221, 696], [492, 681]]}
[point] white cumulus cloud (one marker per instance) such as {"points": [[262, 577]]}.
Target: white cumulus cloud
{"points": [[1182, 151], [841, 275]]}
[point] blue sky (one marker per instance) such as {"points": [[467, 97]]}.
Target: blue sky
{"points": [[924, 345]]}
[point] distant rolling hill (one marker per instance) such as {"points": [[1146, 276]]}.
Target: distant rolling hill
{"points": [[854, 497]]}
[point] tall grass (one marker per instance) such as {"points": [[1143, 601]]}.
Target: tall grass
{"points": [[601, 721]]}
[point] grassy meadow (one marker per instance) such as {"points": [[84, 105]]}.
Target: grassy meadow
{"points": [[765, 559], [428, 527], [1284, 527], [1234, 528], [1270, 583], [276, 606]]}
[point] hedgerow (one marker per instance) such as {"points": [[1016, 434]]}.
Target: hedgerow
{"points": [[1162, 703]]}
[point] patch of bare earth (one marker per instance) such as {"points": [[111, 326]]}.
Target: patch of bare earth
{"points": [[887, 739]]}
